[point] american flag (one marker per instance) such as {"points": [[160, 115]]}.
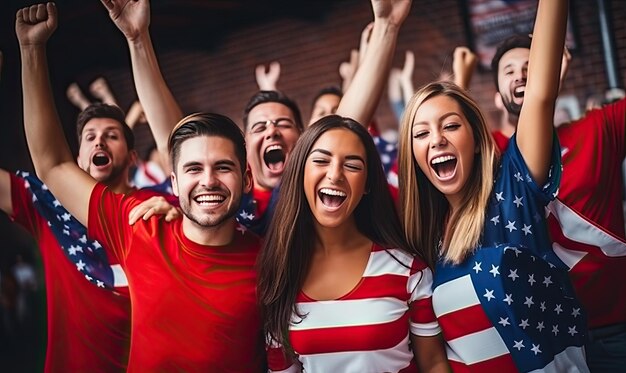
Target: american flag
{"points": [[505, 309], [87, 255]]}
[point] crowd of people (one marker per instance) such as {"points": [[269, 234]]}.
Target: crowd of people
{"points": [[334, 244]]}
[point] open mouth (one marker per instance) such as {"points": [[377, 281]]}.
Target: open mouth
{"points": [[518, 92], [444, 166], [331, 197], [209, 199], [100, 159], [274, 158]]}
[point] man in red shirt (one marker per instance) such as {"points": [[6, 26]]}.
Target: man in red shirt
{"points": [[88, 306], [586, 220], [191, 281]]}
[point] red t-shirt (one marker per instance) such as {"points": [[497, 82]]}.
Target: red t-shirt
{"points": [[589, 235], [501, 140], [194, 307], [88, 327], [262, 198]]}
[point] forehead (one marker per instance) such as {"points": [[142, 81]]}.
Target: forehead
{"points": [[269, 110], [340, 142], [436, 107], [327, 100], [514, 57], [207, 149], [101, 124]]}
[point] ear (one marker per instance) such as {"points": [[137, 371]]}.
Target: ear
{"points": [[247, 180], [132, 157], [174, 184], [497, 100]]}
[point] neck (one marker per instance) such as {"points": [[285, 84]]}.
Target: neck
{"points": [[120, 185], [509, 124], [342, 238], [220, 235]]}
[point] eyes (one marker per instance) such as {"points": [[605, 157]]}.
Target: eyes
{"points": [[108, 135], [350, 165], [280, 123], [422, 131], [223, 168]]}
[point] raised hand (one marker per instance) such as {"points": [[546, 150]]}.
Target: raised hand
{"points": [[76, 97], [267, 80], [463, 65], [132, 17], [100, 90], [347, 69], [35, 24], [393, 11]]}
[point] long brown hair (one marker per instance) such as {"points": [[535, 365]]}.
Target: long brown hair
{"points": [[288, 249], [425, 207]]}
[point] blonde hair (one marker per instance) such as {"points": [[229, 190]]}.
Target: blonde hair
{"points": [[425, 208]]}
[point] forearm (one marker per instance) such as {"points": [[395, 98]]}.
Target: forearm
{"points": [[160, 107], [363, 95]]}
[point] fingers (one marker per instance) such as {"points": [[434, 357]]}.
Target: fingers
{"points": [[409, 64], [37, 13], [274, 72], [173, 214], [365, 39]]}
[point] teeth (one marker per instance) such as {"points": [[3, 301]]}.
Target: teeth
{"points": [[210, 198], [520, 89], [443, 158], [273, 147], [332, 192]]}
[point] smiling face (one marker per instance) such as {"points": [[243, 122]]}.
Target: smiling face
{"points": [[103, 152], [270, 137], [443, 146], [335, 177], [512, 74], [208, 180]]}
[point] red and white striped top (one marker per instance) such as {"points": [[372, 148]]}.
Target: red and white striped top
{"points": [[366, 330]]}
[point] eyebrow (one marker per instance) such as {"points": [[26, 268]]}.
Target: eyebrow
{"points": [[326, 152], [440, 118], [221, 162]]}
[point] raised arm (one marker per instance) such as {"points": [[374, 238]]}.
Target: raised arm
{"points": [[535, 128], [132, 17], [51, 155], [361, 99]]}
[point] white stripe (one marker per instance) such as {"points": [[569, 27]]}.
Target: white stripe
{"points": [[576, 228], [480, 346], [420, 285], [425, 330], [337, 313], [455, 295], [569, 257], [382, 263], [570, 360], [119, 277], [376, 361]]}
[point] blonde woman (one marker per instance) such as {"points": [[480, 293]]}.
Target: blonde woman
{"points": [[501, 298]]}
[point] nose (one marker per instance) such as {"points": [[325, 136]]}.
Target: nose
{"points": [[335, 173], [209, 179], [520, 75], [437, 139], [100, 143], [271, 130]]}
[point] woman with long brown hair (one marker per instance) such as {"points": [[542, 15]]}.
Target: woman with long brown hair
{"points": [[339, 287]]}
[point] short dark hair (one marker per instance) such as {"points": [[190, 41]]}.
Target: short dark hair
{"points": [[99, 110], [262, 97], [206, 124], [512, 42], [332, 90]]}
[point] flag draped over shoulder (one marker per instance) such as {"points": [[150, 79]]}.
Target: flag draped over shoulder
{"points": [[88, 255], [506, 309]]}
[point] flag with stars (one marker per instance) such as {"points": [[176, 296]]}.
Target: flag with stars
{"points": [[249, 216], [88, 256], [505, 309]]}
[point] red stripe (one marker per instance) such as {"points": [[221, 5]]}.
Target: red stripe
{"points": [[421, 311], [463, 322], [350, 338]]}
